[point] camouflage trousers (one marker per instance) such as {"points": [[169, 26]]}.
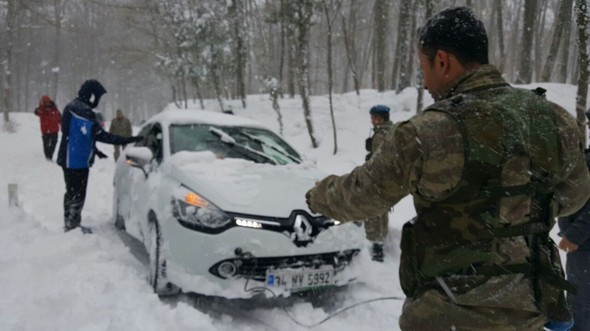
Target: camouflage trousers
{"points": [[500, 304], [376, 229]]}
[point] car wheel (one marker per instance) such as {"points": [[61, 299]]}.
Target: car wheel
{"points": [[119, 220], [157, 266]]}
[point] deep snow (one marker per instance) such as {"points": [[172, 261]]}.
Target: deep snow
{"points": [[50, 280]]}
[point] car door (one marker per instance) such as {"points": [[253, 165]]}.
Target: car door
{"points": [[143, 186]]}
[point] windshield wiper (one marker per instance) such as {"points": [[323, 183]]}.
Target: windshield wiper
{"points": [[243, 150], [260, 141]]}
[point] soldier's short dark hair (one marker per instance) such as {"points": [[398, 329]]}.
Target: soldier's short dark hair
{"points": [[455, 30]]}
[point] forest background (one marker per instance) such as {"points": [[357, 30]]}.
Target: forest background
{"points": [[149, 53]]}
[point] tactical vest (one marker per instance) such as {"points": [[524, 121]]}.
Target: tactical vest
{"points": [[511, 158]]}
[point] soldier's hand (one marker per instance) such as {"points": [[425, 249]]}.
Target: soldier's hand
{"points": [[308, 200], [567, 245]]}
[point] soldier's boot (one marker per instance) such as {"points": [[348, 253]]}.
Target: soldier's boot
{"points": [[377, 252]]}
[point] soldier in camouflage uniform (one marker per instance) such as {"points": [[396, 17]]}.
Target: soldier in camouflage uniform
{"points": [[121, 126], [489, 167], [376, 227]]}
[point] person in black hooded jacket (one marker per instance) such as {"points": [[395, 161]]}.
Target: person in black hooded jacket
{"points": [[575, 240], [80, 132]]}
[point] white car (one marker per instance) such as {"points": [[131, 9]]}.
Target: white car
{"points": [[219, 203]]}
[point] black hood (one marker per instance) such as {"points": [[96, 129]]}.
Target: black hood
{"points": [[88, 89]]}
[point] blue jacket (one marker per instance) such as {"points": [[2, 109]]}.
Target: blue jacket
{"points": [[80, 132]]}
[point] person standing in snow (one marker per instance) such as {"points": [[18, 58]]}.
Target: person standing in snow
{"points": [[50, 119], [120, 126], [575, 233], [489, 167], [376, 228], [80, 132]]}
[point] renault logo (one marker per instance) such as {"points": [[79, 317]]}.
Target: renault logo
{"points": [[302, 228]]}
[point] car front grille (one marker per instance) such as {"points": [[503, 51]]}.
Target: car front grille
{"points": [[255, 268]]}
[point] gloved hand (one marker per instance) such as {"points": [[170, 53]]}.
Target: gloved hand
{"points": [[369, 144], [134, 139], [100, 154], [308, 200]]}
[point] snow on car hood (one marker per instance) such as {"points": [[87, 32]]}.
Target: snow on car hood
{"points": [[242, 186]]}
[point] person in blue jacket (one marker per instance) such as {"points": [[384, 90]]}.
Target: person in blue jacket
{"points": [[80, 132], [575, 240]]}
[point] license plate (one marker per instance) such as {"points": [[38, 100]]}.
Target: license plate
{"points": [[293, 280]]}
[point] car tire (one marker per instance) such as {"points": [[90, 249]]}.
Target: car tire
{"points": [[157, 263], [119, 220]]}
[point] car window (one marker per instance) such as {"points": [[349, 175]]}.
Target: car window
{"points": [[143, 133], [153, 141], [259, 143]]}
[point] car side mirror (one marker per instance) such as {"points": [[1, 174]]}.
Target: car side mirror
{"points": [[139, 157]]}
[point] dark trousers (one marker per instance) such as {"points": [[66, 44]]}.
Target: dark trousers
{"points": [[577, 268], [76, 182], [49, 143]]}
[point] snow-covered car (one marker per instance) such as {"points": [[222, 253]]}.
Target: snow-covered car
{"points": [[219, 203]]}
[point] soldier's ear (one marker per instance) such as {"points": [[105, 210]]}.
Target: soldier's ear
{"points": [[442, 62]]}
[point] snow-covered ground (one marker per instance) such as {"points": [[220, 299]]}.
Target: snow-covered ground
{"points": [[50, 280]]}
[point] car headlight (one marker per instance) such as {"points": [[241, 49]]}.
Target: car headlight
{"points": [[193, 210]]}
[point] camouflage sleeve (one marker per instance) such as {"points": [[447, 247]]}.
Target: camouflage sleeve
{"points": [[371, 189], [378, 139], [572, 192]]}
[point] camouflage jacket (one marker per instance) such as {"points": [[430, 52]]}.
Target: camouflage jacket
{"points": [[379, 133], [121, 127], [426, 157]]}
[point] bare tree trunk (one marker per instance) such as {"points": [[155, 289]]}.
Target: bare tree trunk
{"points": [[56, 56], [411, 42], [380, 13], [401, 53], [291, 51], [282, 56], [563, 19], [197, 86], [539, 40], [514, 40], [349, 45], [500, 34], [241, 55], [582, 21], [8, 66], [431, 6], [329, 23], [525, 74], [562, 65], [305, 12]]}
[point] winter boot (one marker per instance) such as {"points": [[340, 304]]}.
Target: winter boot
{"points": [[377, 252], [84, 229]]}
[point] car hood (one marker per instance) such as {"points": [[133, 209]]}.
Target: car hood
{"points": [[245, 187]]}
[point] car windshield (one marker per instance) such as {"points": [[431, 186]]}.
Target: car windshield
{"points": [[253, 144]]}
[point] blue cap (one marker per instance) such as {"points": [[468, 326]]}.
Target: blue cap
{"points": [[379, 109]]}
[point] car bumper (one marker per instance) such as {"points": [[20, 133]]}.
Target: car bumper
{"points": [[194, 258]]}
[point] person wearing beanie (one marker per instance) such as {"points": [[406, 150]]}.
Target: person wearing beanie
{"points": [[50, 120], [80, 132], [376, 228]]}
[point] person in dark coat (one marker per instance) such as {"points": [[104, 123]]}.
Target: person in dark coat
{"points": [[120, 125], [80, 132], [575, 240], [50, 119]]}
